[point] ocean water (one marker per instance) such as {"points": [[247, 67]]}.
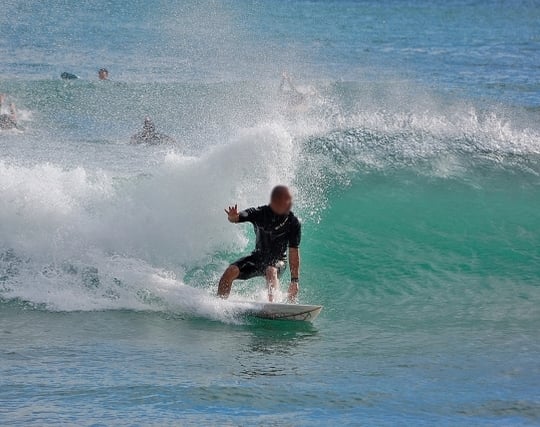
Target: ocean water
{"points": [[415, 163]]}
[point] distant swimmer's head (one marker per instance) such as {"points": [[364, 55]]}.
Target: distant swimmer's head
{"points": [[149, 125], [281, 200], [103, 74]]}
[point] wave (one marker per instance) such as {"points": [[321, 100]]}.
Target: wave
{"points": [[89, 234], [444, 142]]}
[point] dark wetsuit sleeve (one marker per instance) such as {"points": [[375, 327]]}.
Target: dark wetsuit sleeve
{"points": [[295, 234], [250, 215]]}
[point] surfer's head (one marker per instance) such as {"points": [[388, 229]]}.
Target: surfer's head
{"points": [[103, 74], [281, 200]]}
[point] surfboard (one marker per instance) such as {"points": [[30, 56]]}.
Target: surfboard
{"points": [[279, 311]]}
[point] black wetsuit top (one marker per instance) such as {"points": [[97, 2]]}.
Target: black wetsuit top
{"points": [[274, 233]]}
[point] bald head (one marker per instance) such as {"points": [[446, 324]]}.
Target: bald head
{"points": [[281, 200], [278, 192]]}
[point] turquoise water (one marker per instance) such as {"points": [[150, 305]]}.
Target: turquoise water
{"points": [[415, 163]]}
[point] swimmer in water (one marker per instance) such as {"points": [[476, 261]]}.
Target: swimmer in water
{"points": [[103, 74], [68, 76], [149, 135], [8, 119]]}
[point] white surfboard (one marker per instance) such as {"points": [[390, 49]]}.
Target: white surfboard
{"points": [[278, 311]]}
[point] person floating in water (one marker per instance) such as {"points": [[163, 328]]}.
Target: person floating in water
{"points": [[103, 74], [8, 118], [68, 76], [289, 91], [276, 229], [150, 136]]}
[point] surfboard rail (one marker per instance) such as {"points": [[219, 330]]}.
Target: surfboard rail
{"points": [[280, 311]]}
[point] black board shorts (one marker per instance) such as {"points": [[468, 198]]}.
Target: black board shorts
{"points": [[255, 265]]}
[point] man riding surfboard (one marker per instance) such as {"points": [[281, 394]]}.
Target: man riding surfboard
{"points": [[276, 229]]}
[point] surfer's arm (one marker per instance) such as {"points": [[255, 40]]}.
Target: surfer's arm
{"points": [[294, 262], [294, 258], [248, 215], [253, 215]]}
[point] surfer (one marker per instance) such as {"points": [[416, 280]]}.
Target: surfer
{"points": [[276, 228], [103, 74], [149, 135]]}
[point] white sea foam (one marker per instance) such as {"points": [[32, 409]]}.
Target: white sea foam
{"points": [[75, 239]]}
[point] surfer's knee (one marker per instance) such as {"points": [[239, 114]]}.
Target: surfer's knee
{"points": [[232, 272]]}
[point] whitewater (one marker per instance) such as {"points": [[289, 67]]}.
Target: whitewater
{"points": [[414, 160]]}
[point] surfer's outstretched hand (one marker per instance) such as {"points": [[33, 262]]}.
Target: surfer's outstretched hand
{"points": [[232, 213]]}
